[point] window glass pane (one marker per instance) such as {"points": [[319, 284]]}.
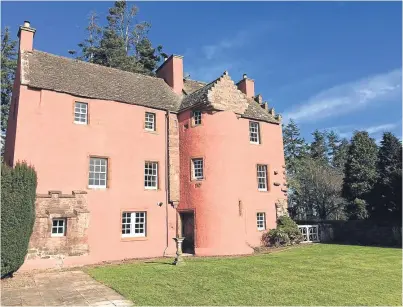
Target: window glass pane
{"points": [[134, 226], [151, 175], [98, 172], [254, 132], [80, 112]]}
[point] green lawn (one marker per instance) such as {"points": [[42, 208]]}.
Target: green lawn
{"points": [[320, 274]]}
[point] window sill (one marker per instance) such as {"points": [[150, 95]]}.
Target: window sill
{"points": [[151, 131], [81, 124], [157, 189], [128, 239], [96, 188], [253, 143]]}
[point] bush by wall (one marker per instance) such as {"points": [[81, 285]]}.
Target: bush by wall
{"points": [[286, 233], [18, 192], [359, 232]]}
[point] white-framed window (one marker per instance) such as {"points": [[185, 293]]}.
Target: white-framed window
{"points": [[262, 177], [261, 220], [254, 132], [151, 175], [197, 117], [134, 224], [149, 123], [81, 113], [58, 227], [98, 172], [197, 169]]}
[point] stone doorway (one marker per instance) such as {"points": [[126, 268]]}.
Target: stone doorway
{"points": [[187, 230]]}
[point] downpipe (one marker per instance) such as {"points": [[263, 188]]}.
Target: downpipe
{"points": [[166, 180]]}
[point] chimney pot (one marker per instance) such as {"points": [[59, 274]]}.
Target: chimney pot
{"points": [[244, 76], [26, 36]]}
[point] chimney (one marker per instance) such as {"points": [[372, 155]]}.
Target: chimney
{"points": [[172, 72], [247, 86], [26, 36]]}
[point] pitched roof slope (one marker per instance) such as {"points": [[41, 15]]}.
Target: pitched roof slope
{"points": [[201, 97], [60, 74], [190, 86]]}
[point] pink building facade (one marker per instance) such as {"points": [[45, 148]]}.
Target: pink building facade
{"points": [[127, 162]]}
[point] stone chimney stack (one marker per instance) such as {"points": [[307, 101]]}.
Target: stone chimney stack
{"points": [[172, 72], [26, 36], [247, 86]]}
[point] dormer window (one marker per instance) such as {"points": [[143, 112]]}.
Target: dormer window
{"points": [[254, 132], [197, 118]]}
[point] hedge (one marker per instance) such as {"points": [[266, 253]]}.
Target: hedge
{"points": [[18, 191]]}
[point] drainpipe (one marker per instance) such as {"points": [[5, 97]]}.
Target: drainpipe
{"points": [[166, 178]]}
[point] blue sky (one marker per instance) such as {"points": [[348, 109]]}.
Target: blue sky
{"points": [[328, 65]]}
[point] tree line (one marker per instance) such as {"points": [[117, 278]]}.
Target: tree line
{"points": [[334, 178]]}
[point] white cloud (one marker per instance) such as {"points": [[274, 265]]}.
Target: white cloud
{"points": [[347, 131], [348, 97], [209, 61], [238, 40]]}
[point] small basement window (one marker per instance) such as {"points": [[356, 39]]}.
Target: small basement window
{"points": [[58, 227]]}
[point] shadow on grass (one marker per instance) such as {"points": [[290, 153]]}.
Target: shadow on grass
{"points": [[158, 262]]}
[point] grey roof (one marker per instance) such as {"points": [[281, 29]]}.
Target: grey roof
{"points": [[56, 73], [198, 97], [51, 72], [255, 111], [190, 86]]}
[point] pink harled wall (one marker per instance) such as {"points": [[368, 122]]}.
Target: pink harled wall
{"points": [[225, 203], [60, 150]]}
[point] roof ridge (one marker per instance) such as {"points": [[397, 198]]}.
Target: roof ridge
{"points": [[188, 79], [88, 63]]}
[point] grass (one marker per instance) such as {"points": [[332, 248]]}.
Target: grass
{"points": [[320, 274]]}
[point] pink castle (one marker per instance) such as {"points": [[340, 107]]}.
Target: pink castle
{"points": [[127, 162]]}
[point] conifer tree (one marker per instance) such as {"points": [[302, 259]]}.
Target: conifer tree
{"points": [[295, 146], [360, 172], [8, 67], [387, 193], [318, 147], [123, 43]]}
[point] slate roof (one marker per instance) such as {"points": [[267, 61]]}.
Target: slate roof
{"points": [[255, 111], [190, 86], [51, 72], [56, 73], [197, 97]]}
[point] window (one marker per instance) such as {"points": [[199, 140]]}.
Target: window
{"points": [[58, 227], [254, 133], [262, 177], [197, 118], [261, 221], [149, 123], [133, 224], [81, 113], [197, 169], [98, 171], [151, 175]]}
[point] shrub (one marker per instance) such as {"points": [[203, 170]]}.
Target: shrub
{"points": [[18, 191], [286, 233]]}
